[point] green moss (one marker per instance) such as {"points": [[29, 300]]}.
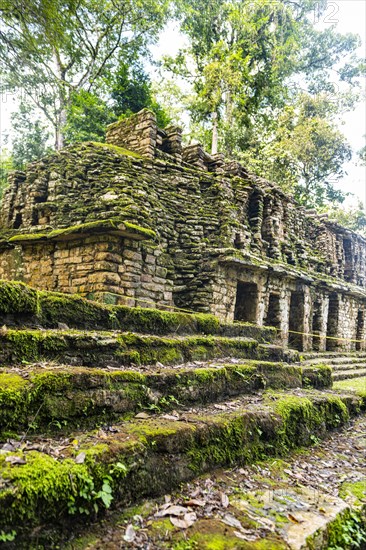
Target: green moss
{"points": [[101, 226], [356, 489], [354, 384], [42, 483], [211, 534], [25, 237], [148, 233], [81, 543], [163, 434], [13, 400], [51, 308], [16, 297], [117, 149], [317, 376], [74, 311], [226, 442], [303, 419], [347, 531], [11, 382], [161, 526], [148, 446]]}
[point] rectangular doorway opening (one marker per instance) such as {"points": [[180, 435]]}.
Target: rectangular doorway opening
{"points": [[246, 302], [359, 329], [296, 321], [316, 325], [273, 317], [332, 323]]}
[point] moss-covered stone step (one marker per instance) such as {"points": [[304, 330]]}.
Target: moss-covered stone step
{"points": [[56, 397], [312, 499], [101, 349], [22, 305], [357, 385], [332, 357], [46, 483], [347, 374], [348, 366]]}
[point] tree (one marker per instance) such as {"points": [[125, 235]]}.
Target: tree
{"points": [[52, 50], [30, 136], [127, 91], [245, 58], [302, 150], [131, 91], [87, 117], [6, 165], [353, 217]]}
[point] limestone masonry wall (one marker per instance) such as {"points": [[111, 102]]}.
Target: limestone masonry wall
{"points": [[221, 240]]}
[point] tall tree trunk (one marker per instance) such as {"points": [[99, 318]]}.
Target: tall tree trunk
{"points": [[60, 137], [63, 99], [215, 134], [229, 108]]}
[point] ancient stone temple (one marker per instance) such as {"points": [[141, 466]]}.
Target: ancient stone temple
{"points": [[142, 221]]}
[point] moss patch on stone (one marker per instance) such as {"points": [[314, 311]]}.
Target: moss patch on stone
{"points": [[211, 534], [101, 226], [355, 489], [45, 487], [16, 297], [50, 308], [84, 396], [117, 149], [354, 384], [317, 376]]}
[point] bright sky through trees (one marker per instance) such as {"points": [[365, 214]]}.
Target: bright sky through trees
{"points": [[348, 16]]}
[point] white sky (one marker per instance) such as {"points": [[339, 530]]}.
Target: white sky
{"points": [[349, 16]]}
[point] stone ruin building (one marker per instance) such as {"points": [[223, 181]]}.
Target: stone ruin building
{"points": [[142, 221]]}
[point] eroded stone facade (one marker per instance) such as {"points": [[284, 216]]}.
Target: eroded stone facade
{"points": [[142, 221]]}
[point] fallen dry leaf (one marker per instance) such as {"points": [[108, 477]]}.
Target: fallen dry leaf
{"points": [[80, 458], [170, 417], [172, 511], [7, 447], [230, 520], [130, 534], [224, 500], [294, 518], [195, 502], [15, 460], [246, 535], [142, 415], [185, 522]]}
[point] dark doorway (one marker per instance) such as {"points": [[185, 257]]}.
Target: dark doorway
{"points": [[359, 329], [273, 318], [18, 220], [296, 321], [332, 323], [246, 302], [317, 324]]}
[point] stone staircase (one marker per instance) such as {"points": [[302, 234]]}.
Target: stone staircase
{"points": [[344, 365], [102, 406]]}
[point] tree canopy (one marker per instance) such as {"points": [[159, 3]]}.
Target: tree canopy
{"points": [[262, 82], [52, 50]]}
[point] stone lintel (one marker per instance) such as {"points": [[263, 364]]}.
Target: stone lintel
{"points": [[284, 272], [107, 227]]}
